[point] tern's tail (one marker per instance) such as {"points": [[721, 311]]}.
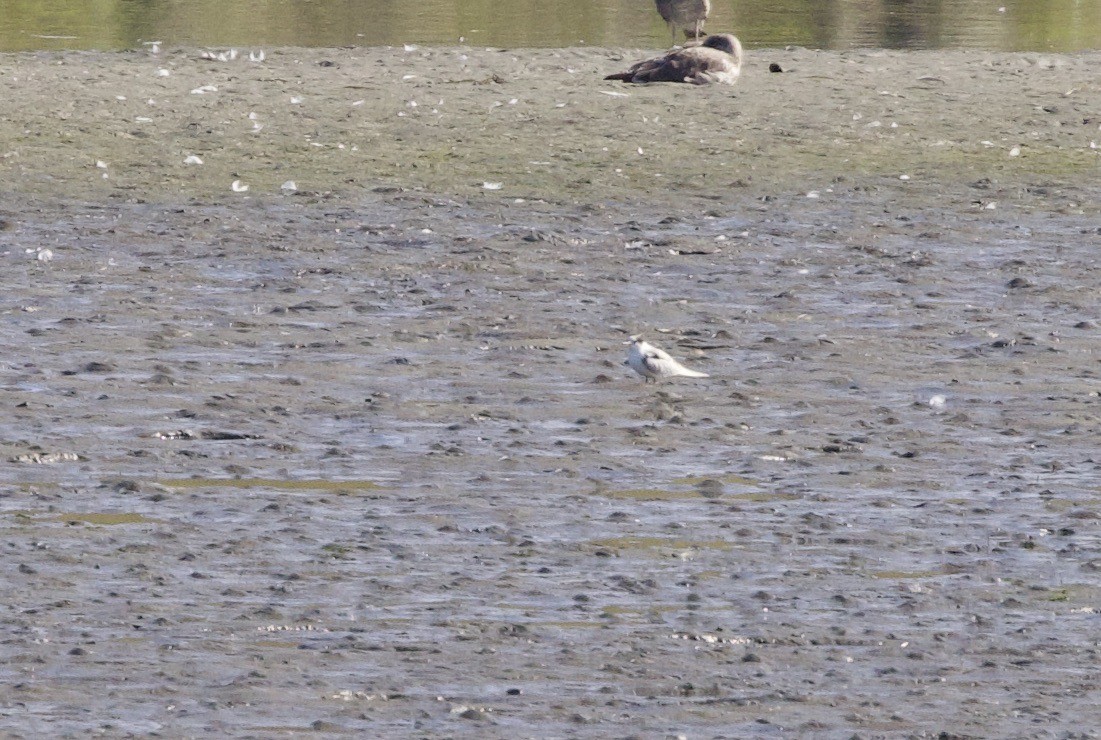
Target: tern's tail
{"points": [[686, 373]]}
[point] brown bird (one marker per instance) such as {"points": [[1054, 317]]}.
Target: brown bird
{"points": [[687, 14], [717, 59]]}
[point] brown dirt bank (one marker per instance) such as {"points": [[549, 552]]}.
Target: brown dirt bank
{"points": [[363, 459], [542, 123]]}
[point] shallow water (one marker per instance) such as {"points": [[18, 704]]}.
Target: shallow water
{"points": [[364, 458], [395, 484], [1013, 25]]}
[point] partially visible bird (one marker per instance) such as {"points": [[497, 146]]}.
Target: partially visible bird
{"points": [[652, 363], [717, 59], [684, 14]]}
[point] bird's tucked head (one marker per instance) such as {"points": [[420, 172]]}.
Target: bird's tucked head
{"points": [[727, 42]]}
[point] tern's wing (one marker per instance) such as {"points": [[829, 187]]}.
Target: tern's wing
{"points": [[660, 363]]}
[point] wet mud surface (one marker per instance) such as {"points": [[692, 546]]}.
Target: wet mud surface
{"points": [[362, 457]]}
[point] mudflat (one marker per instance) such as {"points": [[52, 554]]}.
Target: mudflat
{"points": [[315, 417]]}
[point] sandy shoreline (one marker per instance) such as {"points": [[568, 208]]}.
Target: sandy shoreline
{"points": [[541, 122], [363, 458]]}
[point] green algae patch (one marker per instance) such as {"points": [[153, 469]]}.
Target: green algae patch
{"points": [[100, 519], [1086, 594], [97, 518], [649, 494], [660, 543], [1060, 505], [764, 496], [348, 486], [906, 574], [730, 478], [702, 486], [618, 610], [571, 625]]}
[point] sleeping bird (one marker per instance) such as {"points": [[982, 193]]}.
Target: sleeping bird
{"points": [[717, 59]]}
